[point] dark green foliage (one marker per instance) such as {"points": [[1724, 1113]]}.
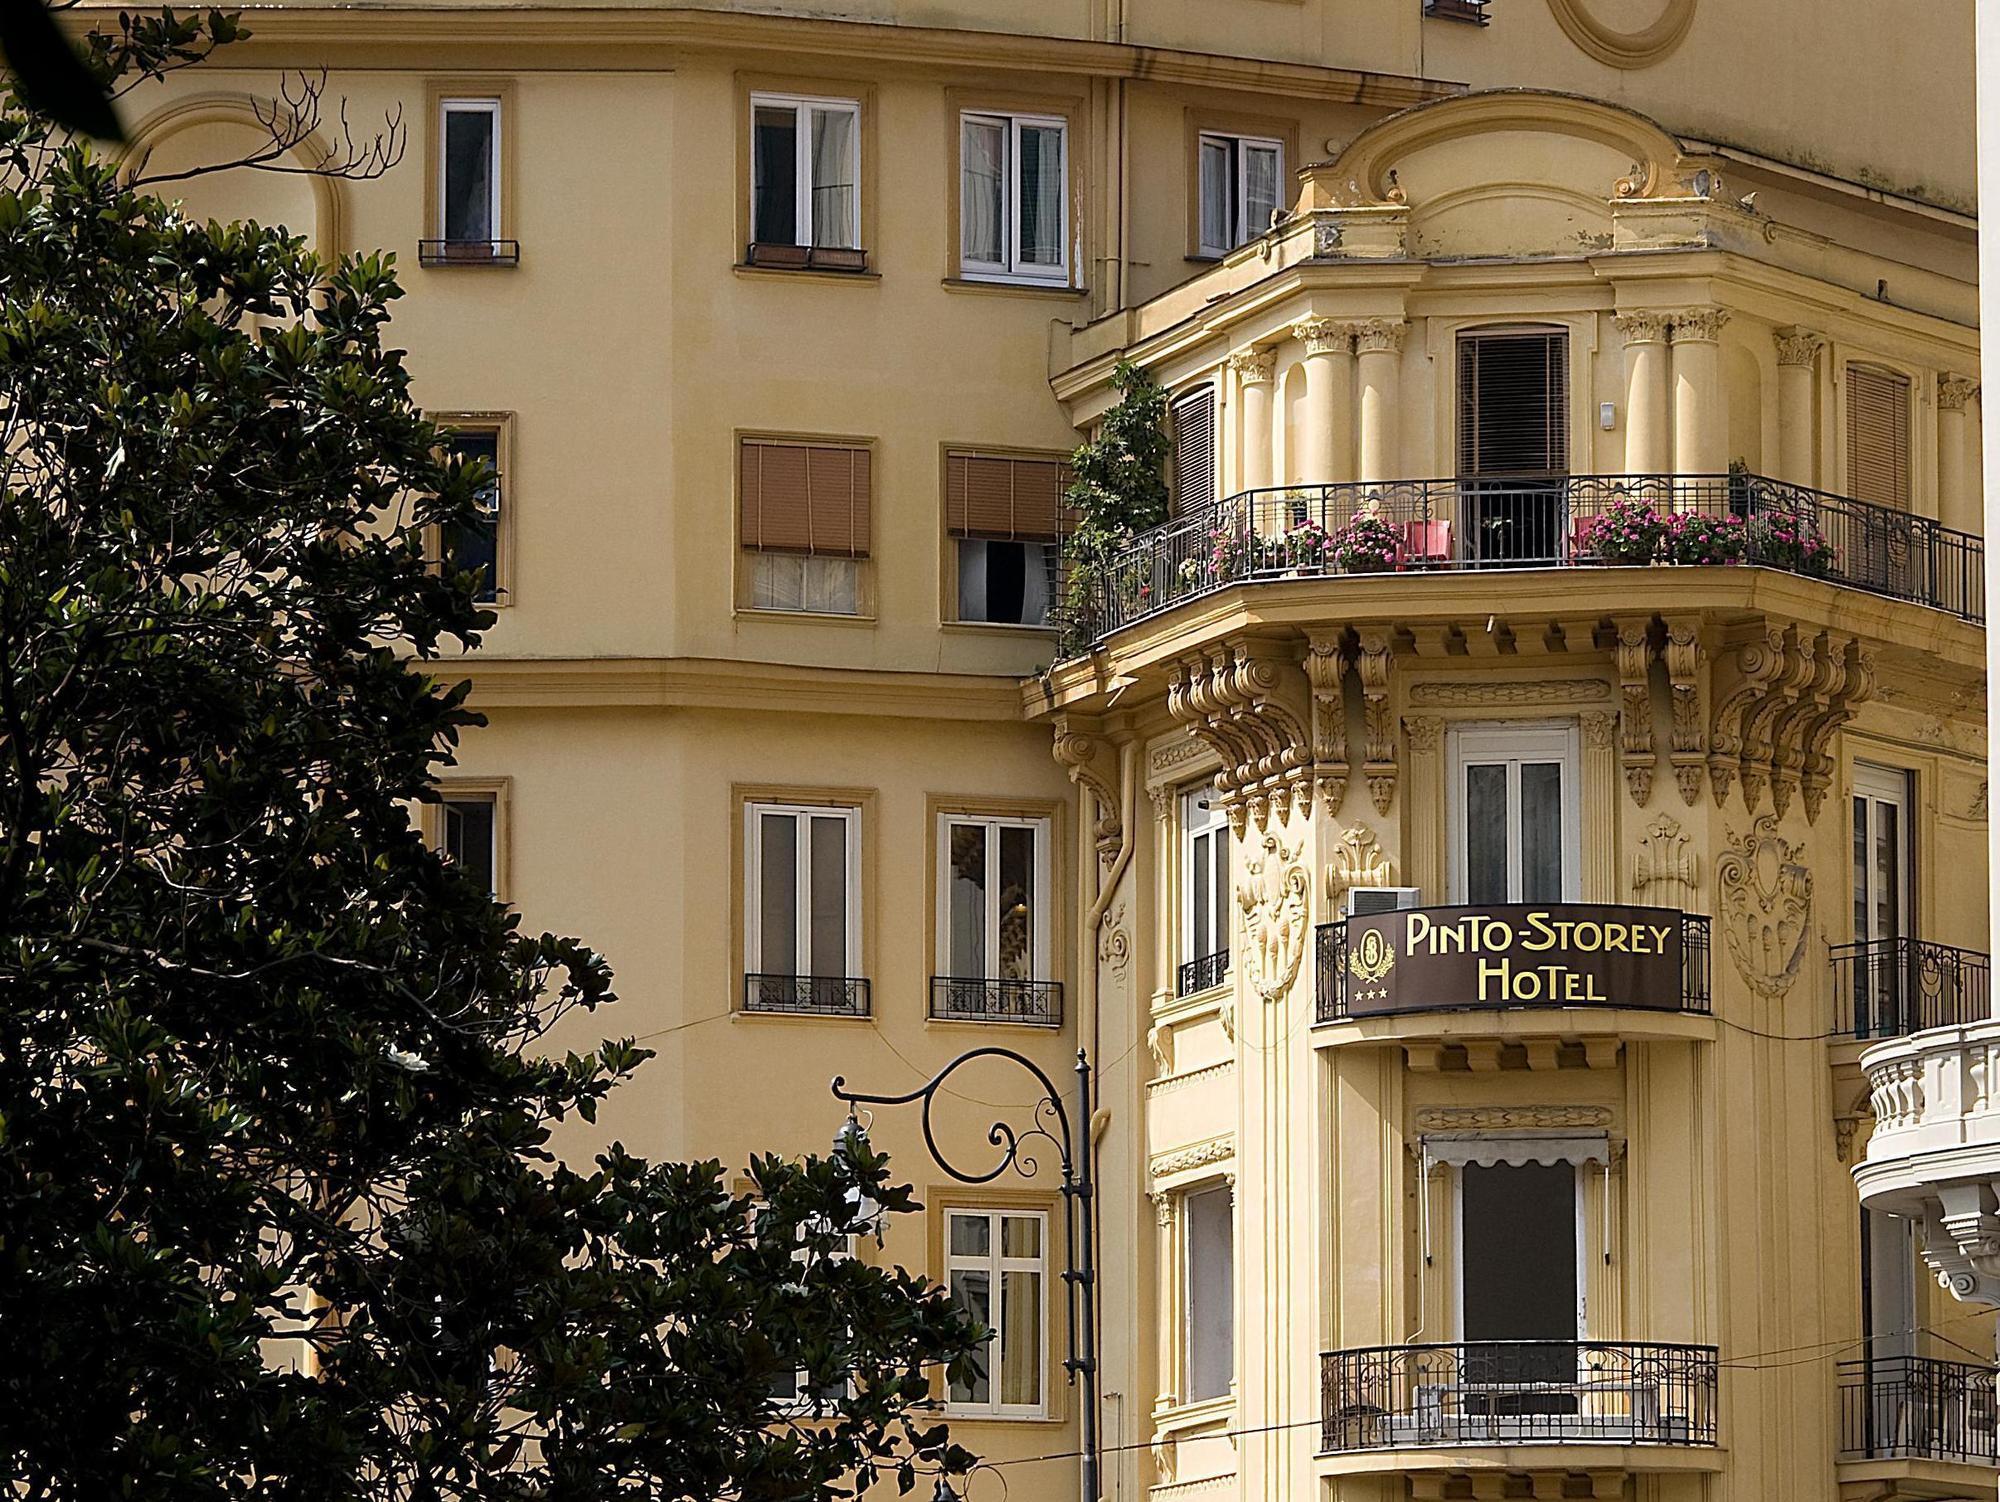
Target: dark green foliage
{"points": [[1119, 489], [274, 1077]]}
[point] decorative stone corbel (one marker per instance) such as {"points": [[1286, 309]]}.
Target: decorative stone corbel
{"points": [[1247, 700], [1092, 763], [1326, 671], [1375, 656], [1757, 664], [1856, 685], [1665, 860], [1758, 766], [1684, 654], [1635, 692]]}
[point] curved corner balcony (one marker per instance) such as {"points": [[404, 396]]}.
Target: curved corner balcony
{"points": [[1533, 521]]}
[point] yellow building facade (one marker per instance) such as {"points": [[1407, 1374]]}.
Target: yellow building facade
{"points": [[1474, 952]]}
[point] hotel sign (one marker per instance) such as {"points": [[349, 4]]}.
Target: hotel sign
{"points": [[1516, 955]]}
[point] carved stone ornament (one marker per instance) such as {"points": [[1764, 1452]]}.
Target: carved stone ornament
{"points": [[1326, 671], [1272, 899], [1509, 1118], [1358, 861], [1247, 701], [1955, 392], [1798, 347], [1772, 728], [1372, 662], [1766, 892], [1684, 653], [1665, 861], [1186, 1159], [1471, 693], [1326, 235], [1379, 336], [1703, 325], [1115, 947], [1092, 764], [1253, 367], [1642, 327], [1635, 690], [1321, 336]]}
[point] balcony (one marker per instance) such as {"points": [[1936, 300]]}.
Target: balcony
{"points": [[1518, 1394], [1890, 988], [806, 995], [468, 252], [1909, 1408], [961, 998], [1202, 972], [1458, 525]]}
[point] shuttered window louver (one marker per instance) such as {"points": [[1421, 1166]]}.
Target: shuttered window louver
{"points": [[805, 497], [1878, 436], [1193, 418], [1513, 404], [1003, 498]]}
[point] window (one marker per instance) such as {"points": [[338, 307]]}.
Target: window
{"points": [[1005, 517], [469, 829], [1209, 1334], [1512, 813], [1240, 178], [1885, 987], [1889, 1282], [467, 219], [802, 934], [995, 904], [996, 1268], [1205, 910], [1013, 197], [804, 516], [805, 182], [475, 542], [1513, 440], [1519, 1257], [795, 1391], [1193, 417], [1878, 436]]}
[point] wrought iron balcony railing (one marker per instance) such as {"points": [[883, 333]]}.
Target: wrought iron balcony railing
{"points": [[1200, 973], [468, 252], [1908, 1407], [1558, 521], [1890, 988], [1517, 1392], [1330, 952], [807, 995], [972, 998]]}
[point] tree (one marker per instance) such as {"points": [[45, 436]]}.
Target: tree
{"points": [[274, 1078], [1118, 488]]}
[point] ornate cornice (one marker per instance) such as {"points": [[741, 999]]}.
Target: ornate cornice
{"points": [[1470, 693], [1509, 1118], [1798, 347]]}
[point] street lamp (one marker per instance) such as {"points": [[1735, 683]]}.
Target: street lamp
{"points": [[1052, 1124]]}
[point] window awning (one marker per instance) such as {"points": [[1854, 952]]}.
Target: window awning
{"points": [[1488, 1149]]}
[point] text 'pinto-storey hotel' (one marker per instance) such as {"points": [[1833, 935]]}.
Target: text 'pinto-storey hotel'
{"points": [[1477, 953]]}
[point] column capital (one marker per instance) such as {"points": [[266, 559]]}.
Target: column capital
{"points": [[1322, 336], [1642, 327], [1253, 367], [1379, 335], [1797, 346], [1698, 325], [1955, 392]]}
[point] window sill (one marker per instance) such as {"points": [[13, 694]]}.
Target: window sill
{"points": [[1174, 1418], [1203, 258], [838, 1019], [1013, 286], [816, 617], [1012, 628], [803, 273], [959, 1416]]}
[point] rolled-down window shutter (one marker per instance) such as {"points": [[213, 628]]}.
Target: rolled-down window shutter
{"points": [[1878, 436], [1513, 404], [805, 497], [1194, 450], [1004, 498]]}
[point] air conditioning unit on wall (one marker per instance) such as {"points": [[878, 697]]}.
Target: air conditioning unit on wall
{"points": [[1362, 901]]}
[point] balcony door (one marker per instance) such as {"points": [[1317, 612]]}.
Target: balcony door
{"points": [[1520, 1289], [1511, 812], [1513, 444], [1882, 995]]}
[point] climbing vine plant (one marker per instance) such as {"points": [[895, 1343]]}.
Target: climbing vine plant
{"points": [[1118, 489]]}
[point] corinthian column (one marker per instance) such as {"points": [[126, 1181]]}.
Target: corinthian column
{"points": [[1798, 405], [1253, 379], [1378, 346], [1326, 444], [1647, 423], [1700, 438], [1958, 496]]}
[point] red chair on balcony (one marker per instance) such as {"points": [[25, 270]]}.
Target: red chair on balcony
{"points": [[1426, 544], [1581, 549]]}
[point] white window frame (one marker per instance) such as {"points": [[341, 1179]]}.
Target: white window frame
{"points": [[753, 870], [1194, 826], [469, 104], [995, 1265], [1484, 744], [1188, 1195], [802, 107], [1012, 268], [1875, 785], [1043, 921], [1582, 1226], [488, 799], [1239, 187]]}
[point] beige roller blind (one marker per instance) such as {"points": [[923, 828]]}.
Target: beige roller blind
{"points": [[1878, 436], [804, 497], [1004, 497]]}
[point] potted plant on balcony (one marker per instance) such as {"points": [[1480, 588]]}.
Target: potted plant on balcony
{"points": [[1308, 547], [1695, 537], [1627, 530], [1365, 545], [1788, 539]]}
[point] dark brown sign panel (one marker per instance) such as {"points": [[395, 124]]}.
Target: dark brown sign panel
{"points": [[1518, 955]]}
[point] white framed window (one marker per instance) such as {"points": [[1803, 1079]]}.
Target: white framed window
{"points": [[1013, 196], [805, 171], [995, 900], [469, 835], [802, 873], [1881, 853], [797, 1394], [469, 171], [996, 1266], [1205, 903], [1208, 1321], [1241, 179], [1512, 813]]}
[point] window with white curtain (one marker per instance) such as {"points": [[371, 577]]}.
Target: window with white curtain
{"points": [[1209, 1333], [996, 1266], [1013, 199], [805, 171], [803, 869], [1511, 810], [1240, 188]]}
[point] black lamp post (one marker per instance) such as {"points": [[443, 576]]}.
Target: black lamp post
{"points": [[1051, 1123]]}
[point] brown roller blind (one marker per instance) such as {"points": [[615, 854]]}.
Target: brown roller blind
{"points": [[804, 497], [1006, 498], [1513, 404], [1878, 436], [1194, 450]]}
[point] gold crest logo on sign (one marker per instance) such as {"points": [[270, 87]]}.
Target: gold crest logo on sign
{"points": [[1373, 958]]}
